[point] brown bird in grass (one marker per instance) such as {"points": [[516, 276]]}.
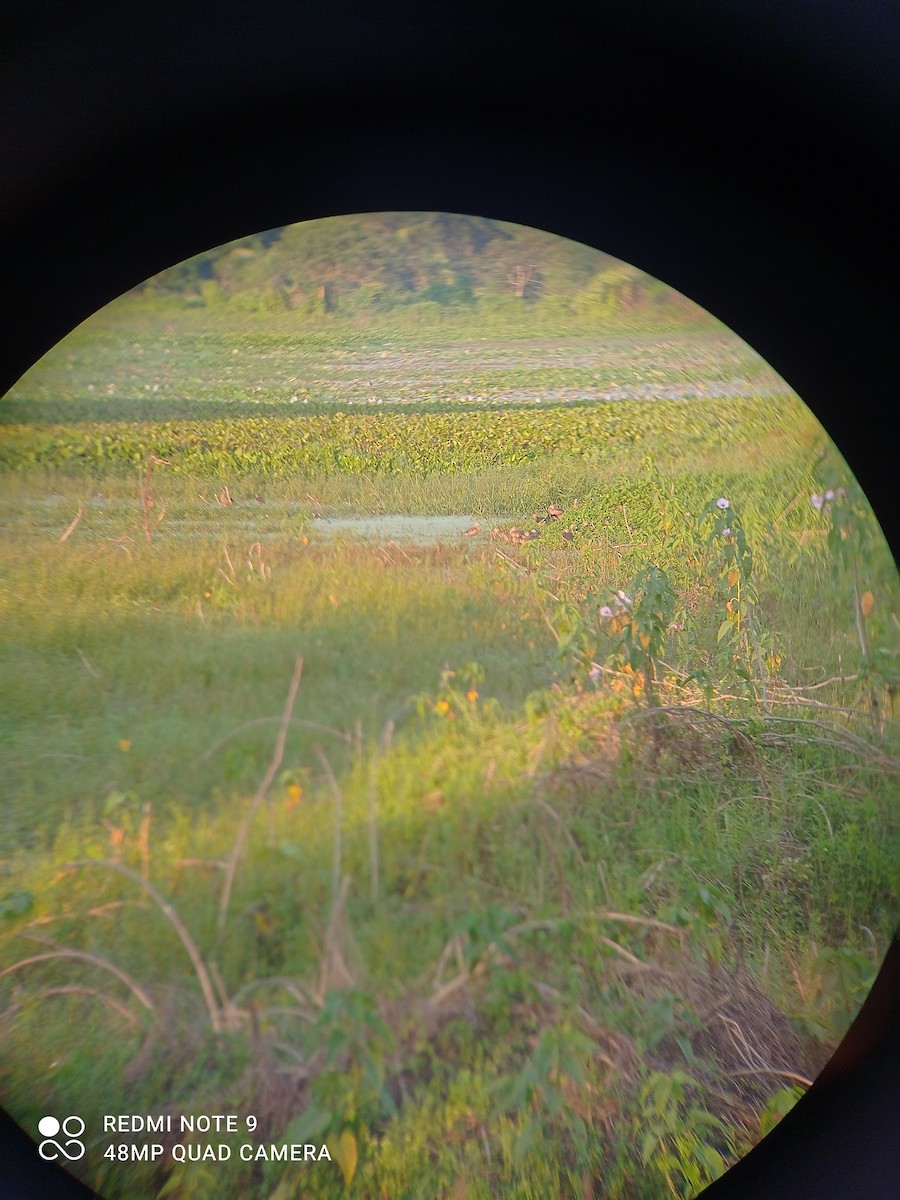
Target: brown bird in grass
{"points": [[519, 536], [554, 512], [568, 535], [476, 529]]}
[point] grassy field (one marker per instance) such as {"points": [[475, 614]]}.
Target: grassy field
{"points": [[551, 860]]}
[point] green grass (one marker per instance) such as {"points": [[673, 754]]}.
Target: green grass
{"points": [[486, 899]]}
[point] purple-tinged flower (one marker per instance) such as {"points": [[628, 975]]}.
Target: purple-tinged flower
{"points": [[841, 492], [625, 599], [722, 503], [816, 501], [595, 672], [829, 495], [726, 533], [606, 611]]}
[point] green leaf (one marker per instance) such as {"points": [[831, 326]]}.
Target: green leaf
{"points": [[113, 800], [524, 1142], [712, 1160], [16, 904], [520, 1089], [778, 1106], [309, 1125], [686, 1048], [649, 1146]]}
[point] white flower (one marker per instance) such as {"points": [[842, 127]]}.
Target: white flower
{"points": [[606, 611], [722, 503], [595, 672], [817, 501], [829, 495], [726, 533], [625, 599]]}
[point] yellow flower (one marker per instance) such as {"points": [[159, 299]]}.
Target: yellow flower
{"points": [[294, 792], [472, 696], [124, 745], [442, 706]]}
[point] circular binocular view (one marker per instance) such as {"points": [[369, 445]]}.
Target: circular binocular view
{"points": [[447, 743]]}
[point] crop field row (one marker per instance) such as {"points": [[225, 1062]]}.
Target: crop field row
{"points": [[416, 442]]}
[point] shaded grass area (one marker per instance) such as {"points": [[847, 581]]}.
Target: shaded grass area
{"points": [[169, 664]]}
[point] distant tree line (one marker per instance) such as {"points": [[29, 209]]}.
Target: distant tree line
{"points": [[376, 263]]}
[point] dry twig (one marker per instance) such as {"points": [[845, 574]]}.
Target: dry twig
{"points": [[170, 913], [259, 796], [95, 960], [73, 523]]}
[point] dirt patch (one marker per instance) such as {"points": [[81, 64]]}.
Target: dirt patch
{"points": [[743, 1041]]}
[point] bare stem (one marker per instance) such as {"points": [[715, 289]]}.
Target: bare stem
{"points": [[338, 819], [259, 796], [87, 666], [170, 913], [74, 522], [95, 960], [801, 1079], [75, 989], [858, 613]]}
